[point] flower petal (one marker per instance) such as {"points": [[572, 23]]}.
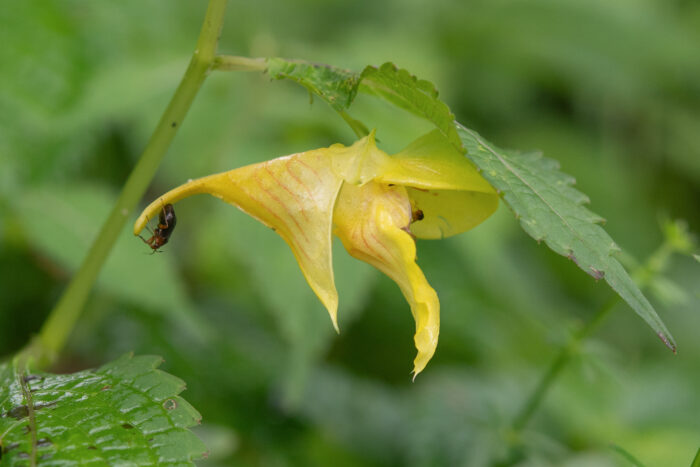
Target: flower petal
{"points": [[449, 212], [444, 185], [293, 195], [372, 222]]}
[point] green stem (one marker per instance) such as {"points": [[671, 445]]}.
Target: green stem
{"points": [[628, 457], [63, 317], [232, 63], [357, 127], [696, 461], [558, 364], [654, 265]]}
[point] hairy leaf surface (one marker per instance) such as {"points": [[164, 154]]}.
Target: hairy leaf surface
{"points": [[125, 413]]}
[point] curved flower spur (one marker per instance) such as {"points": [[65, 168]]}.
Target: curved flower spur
{"points": [[375, 203]]}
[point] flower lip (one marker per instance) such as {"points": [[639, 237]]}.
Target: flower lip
{"points": [[373, 222], [431, 162], [443, 184]]}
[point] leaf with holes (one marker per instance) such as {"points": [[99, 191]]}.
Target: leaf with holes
{"points": [[551, 210], [126, 412], [336, 86]]}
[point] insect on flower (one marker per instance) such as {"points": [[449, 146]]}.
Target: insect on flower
{"points": [[162, 233], [377, 205]]}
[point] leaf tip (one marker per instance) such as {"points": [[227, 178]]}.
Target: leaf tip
{"points": [[668, 342]]}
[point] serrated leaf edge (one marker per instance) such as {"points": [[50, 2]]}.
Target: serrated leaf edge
{"points": [[653, 319]]}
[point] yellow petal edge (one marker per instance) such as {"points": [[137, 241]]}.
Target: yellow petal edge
{"points": [[372, 222], [443, 184], [294, 195]]}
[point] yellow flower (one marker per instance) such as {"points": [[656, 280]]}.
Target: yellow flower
{"points": [[375, 203]]}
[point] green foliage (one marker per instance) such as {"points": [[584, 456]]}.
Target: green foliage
{"points": [[339, 88], [610, 88], [627, 456], [551, 210], [336, 86], [126, 411], [407, 92], [73, 216], [542, 197]]}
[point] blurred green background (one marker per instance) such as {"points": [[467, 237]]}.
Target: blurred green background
{"points": [[610, 89]]}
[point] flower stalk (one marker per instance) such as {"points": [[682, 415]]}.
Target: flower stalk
{"points": [[233, 63], [643, 274], [53, 335]]}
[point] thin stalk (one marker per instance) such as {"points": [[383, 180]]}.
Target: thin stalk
{"points": [[357, 127], [558, 364], [63, 317], [696, 461], [232, 63], [628, 457], [643, 275], [654, 265]]}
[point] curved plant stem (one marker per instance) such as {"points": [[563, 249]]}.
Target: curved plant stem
{"points": [[696, 461], [643, 275], [654, 265], [627, 456], [558, 364], [357, 127], [65, 314]]}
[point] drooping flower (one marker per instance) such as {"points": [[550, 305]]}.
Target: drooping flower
{"points": [[375, 203]]}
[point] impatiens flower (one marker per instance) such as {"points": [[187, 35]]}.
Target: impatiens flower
{"points": [[375, 203]]}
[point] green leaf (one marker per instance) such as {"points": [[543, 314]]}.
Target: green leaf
{"points": [[336, 86], [541, 196], [418, 96], [551, 210], [124, 413]]}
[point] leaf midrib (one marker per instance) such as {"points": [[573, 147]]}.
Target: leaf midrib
{"points": [[515, 172], [27, 393]]}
